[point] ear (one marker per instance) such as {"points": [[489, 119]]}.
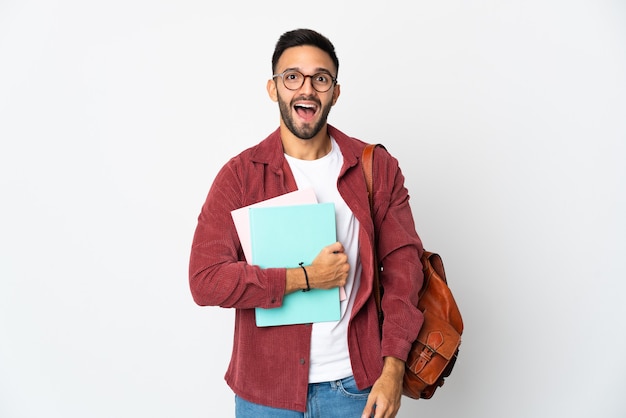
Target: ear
{"points": [[271, 90], [336, 93]]}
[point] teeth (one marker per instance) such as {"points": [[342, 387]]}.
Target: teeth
{"points": [[306, 105]]}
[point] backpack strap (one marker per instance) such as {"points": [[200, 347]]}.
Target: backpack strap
{"points": [[367, 160]]}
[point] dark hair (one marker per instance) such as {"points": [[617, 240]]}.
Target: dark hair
{"points": [[299, 37]]}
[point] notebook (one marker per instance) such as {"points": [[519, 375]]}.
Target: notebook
{"points": [[284, 236]]}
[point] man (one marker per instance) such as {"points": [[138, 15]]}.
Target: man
{"points": [[328, 369]]}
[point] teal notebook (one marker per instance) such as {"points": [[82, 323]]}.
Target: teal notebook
{"points": [[284, 236]]}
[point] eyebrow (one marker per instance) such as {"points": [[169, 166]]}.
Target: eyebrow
{"points": [[316, 71]]}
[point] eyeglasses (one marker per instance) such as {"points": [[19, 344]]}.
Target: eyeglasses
{"points": [[293, 80]]}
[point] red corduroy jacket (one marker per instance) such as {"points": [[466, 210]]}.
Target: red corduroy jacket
{"points": [[270, 365]]}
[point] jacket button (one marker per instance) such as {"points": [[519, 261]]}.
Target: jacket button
{"points": [[302, 361]]}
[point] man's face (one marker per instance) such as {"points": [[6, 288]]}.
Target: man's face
{"points": [[304, 111]]}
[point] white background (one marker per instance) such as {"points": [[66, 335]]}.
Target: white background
{"points": [[509, 121]]}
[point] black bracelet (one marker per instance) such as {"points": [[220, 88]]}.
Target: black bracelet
{"points": [[306, 277]]}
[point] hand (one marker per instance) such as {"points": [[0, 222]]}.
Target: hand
{"points": [[330, 268], [384, 398]]}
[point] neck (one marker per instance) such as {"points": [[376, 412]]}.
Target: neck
{"points": [[305, 149]]}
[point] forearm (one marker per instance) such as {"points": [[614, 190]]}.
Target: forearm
{"points": [[236, 284], [393, 368], [295, 280], [402, 280]]}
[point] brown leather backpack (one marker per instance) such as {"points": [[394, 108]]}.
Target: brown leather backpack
{"points": [[435, 350]]}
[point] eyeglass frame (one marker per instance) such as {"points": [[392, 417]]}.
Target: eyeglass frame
{"points": [[282, 76]]}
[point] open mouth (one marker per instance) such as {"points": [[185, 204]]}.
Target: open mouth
{"points": [[306, 111]]}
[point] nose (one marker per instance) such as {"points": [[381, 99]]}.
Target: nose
{"points": [[307, 85]]}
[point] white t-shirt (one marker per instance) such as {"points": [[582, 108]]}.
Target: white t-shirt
{"points": [[330, 359]]}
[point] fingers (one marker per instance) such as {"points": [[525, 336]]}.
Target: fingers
{"points": [[330, 268], [370, 407], [384, 399], [336, 247]]}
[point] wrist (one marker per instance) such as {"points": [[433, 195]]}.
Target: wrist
{"points": [[296, 280], [394, 367]]}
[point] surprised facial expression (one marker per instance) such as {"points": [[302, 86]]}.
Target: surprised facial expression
{"points": [[304, 111]]}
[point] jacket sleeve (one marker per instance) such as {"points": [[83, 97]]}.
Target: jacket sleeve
{"points": [[218, 272], [399, 249]]}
